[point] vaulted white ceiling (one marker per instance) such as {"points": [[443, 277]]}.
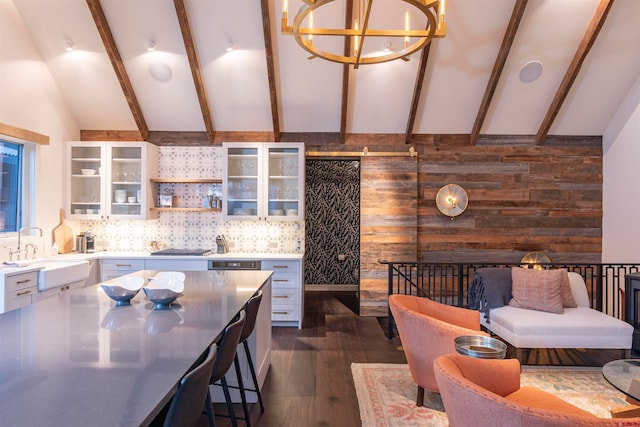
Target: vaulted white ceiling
{"points": [[309, 92]]}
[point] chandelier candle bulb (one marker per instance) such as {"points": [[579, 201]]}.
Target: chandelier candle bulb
{"points": [[407, 27]]}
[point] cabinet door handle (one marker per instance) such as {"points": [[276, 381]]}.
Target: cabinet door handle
{"points": [[23, 293], [123, 265], [280, 280], [280, 266], [279, 312], [20, 282], [280, 296]]}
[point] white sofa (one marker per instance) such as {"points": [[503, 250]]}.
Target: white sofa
{"points": [[580, 327]]}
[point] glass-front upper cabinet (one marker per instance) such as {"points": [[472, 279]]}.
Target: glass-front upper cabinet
{"points": [[110, 180], [264, 181]]}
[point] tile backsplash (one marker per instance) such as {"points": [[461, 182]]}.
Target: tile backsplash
{"points": [[194, 230]]}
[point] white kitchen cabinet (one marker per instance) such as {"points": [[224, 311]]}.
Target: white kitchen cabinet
{"points": [[109, 180], [176, 264], [112, 268], [263, 181], [60, 290], [94, 273], [20, 289], [287, 292]]}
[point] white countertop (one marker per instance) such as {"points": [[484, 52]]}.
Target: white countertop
{"points": [[81, 360], [37, 264], [147, 255]]}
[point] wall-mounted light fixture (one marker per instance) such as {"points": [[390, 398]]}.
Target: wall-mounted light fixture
{"points": [[68, 45], [229, 46], [452, 200], [535, 260], [151, 46]]}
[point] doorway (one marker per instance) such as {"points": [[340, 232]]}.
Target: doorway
{"points": [[332, 229]]}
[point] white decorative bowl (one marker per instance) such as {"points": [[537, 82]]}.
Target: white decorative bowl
{"points": [[170, 275], [130, 282], [88, 171], [162, 292]]}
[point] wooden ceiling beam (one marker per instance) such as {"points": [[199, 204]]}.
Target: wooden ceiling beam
{"points": [[417, 92], [116, 61], [194, 64], [574, 68], [271, 73], [498, 67]]}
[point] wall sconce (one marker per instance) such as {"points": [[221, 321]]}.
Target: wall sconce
{"points": [[452, 200], [68, 45], [151, 46], [229, 46], [535, 260]]}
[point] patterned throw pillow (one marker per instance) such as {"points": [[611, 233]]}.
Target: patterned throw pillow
{"points": [[567, 295], [537, 289]]}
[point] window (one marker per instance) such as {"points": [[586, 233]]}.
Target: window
{"points": [[11, 172]]}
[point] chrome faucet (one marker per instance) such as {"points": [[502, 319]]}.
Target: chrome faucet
{"points": [[20, 234]]}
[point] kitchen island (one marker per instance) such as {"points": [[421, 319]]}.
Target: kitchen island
{"points": [[81, 360]]}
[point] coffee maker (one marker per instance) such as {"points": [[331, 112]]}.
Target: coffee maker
{"points": [[85, 242], [90, 242]]}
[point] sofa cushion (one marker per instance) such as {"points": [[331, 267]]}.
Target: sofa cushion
{"points": [[537, 289], [579, 290], [576, 328], [565, 288]]}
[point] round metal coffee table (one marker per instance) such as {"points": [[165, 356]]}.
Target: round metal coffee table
{"points": [[481, 347]]}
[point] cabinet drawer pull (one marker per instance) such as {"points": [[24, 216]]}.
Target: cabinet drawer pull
{"points": [[19, 294], [280, 266], [279, 312], [20, 282], [123, 265], [280, 296], [280, 280]]}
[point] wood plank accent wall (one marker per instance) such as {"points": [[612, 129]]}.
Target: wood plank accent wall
{"points": [[522, 198], [388, 224]]}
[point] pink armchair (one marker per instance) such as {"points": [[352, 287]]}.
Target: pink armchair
{"points": [[427, 330], [487, 392]]}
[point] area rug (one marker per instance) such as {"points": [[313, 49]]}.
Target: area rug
{"points": [[386, 393]]}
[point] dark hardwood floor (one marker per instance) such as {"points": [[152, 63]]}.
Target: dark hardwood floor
{"points": [[309, 382]]}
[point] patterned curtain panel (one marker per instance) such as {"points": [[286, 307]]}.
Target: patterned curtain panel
{"points": [[332, 222]]}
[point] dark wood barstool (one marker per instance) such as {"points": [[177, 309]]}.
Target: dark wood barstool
{"points": [[227, 348], [251, 309], [191, 397]]}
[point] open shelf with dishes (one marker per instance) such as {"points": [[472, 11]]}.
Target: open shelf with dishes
{"points": [[187, 194]]}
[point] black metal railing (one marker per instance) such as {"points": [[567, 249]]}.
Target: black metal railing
{"points": [[448, 283]]}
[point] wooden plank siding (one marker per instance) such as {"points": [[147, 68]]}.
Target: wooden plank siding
{"points": [[522, 198], [388, 224]]}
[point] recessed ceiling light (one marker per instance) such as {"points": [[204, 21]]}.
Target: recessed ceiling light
{"points": [[531, 71]]}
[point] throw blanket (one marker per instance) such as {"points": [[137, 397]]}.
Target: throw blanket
{"points": [[490, 288]]}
